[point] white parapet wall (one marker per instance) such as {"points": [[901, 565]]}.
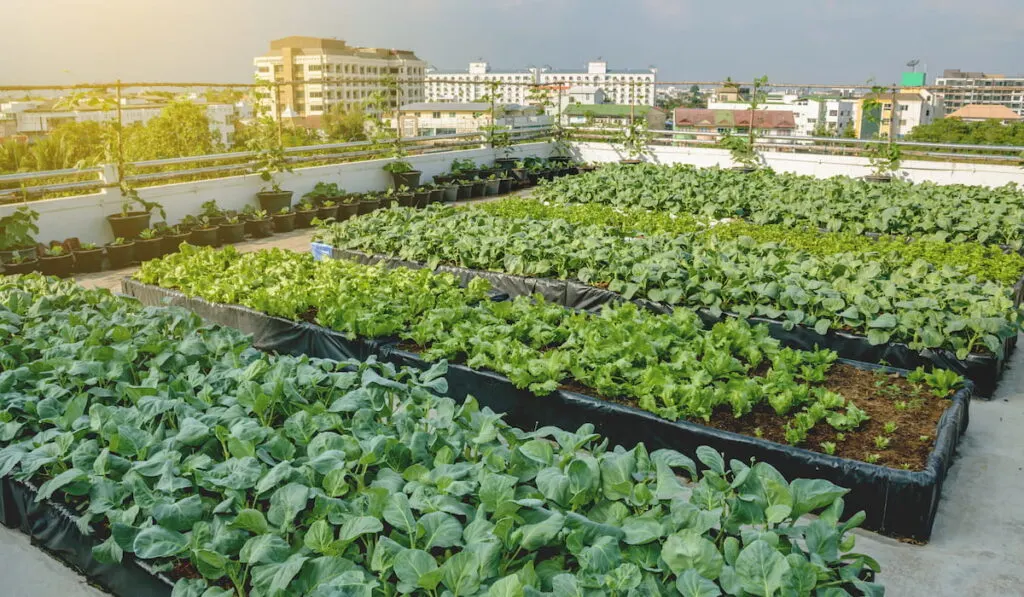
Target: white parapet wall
{"points": [[85, 216], [820, 165]]}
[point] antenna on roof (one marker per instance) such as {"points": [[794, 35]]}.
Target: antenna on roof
{"points": [[913, 64]]}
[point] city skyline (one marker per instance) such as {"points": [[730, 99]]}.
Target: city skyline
{"points": [[794, 41]]}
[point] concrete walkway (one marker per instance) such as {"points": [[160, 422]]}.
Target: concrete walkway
{"points": [[977, 547]]}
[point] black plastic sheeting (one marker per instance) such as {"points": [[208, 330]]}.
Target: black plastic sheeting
{"points": [[897, 502], [53, 527], [984, 370]]}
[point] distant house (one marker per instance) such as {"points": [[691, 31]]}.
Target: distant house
{"points": [[981, 113], [614, 115], [708, 124]]}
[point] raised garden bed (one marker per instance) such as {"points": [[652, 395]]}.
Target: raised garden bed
{"points": [[898, 502], [983, 370]]}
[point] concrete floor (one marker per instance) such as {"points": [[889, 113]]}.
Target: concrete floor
{"points": [[977, 547]]}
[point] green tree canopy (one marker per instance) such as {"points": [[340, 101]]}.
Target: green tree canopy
{"points": [[342, 125], [954, 130], [181, 129]]}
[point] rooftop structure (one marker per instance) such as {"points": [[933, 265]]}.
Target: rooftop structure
{"points": [[972, 87], [981, 112]]}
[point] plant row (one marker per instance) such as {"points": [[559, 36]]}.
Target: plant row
{"points": [[953, 213], [920, 305], [666, 364], [244, 474]]}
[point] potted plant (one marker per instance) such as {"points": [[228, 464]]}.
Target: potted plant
{"points": [[328, 210], [121, 253], [404, 196], [505, 185], [421, 197], [149, 245], [435, 193], [368, 203], [323, 191], [492, 185], [450, 192], [21, 263], [213, 214], [633, 140], [402, 173], [464, 169], [744, 156], [478, 187], [520, 175], [465, 189], [205, 233], [16, 234], [270, 162], [259, 224], [349, 207], [173, 236], [88, 258], [232, 230], [130, 223], [304, 214], [284, 221], [57, 261]]}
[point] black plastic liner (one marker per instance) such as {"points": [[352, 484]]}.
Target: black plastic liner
{"points": [[901, 503], [53, 527], [984, 370]]}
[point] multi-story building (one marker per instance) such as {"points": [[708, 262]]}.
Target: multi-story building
{"points": [[619, 86], [478, 82], [427, 119], [614, 115], [316, 74], [966, 88], [625, 86], [913, 107], [982, 113], [811, 114]]}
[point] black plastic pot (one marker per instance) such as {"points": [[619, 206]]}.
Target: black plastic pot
{"points": [[742, 169], [586, 168], [153, 248], [492, 187], [347, 210], [478, 188], [284, 222], [89, 260], [217, 220], [465, 191], [532, 178], [366, 206], [505, 186], [327, 212], [406, 200], [205, 237], [260, 228], [410, 179], [129, 225], [468, 174], [62, 266], [878, 178], [450, 194], [422, 198], [630, 162], [272, 202], [444, 178], [172, 242], [121, 255], [436, 196], [304, 218], [25, 267], [231, 233], [505, 164], [560, 159]]}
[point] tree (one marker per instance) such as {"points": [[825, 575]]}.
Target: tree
{"points": [[954, 130], [340, 125], [696, 99], [181, 129]]}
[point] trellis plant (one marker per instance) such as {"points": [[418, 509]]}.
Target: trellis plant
{"points": [[270, 160]]}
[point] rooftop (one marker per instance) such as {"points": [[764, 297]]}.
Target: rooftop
{"points": [[984, 112], [763, 119], [608, 110]]}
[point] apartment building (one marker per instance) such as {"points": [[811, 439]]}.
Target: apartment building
{"points": [[708, 124], [478, 82], [967, 88], [619, 86], [427, 119], [317, 74], [913, 107]]}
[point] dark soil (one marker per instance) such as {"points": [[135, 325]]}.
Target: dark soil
{"points": [[309, 315]]}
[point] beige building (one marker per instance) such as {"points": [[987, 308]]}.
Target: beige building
{"points": [[323, 73], [983, 112]]}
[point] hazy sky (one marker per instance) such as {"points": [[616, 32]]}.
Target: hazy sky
{"points": [[828, 41]]}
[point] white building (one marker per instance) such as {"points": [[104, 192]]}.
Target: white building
{"points": [[427, 119], [967, 88], [810, 114], [619, 86], [629, 86], [316, 74], [512, 86]]}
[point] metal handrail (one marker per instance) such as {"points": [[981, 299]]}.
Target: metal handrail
{"points": [[48, 173]]}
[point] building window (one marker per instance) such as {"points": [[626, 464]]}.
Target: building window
{"points": [[451, 115], [264, 69], [314, 67], [436, 115], [833, 112]]}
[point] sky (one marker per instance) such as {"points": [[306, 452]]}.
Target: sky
{"points": [[796, 41]]}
